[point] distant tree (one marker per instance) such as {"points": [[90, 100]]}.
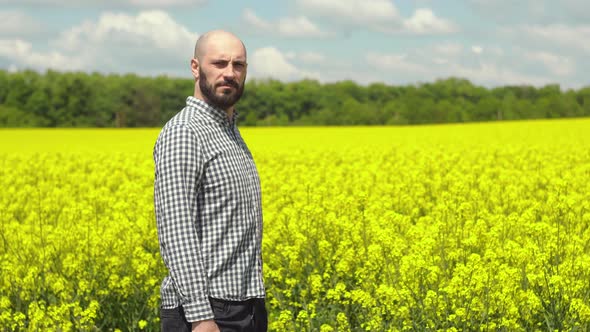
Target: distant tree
{"points": [[487, 109], [38, 106], [20, 88], [173, 93], [12, 117], [583, 98], [447, 111], [102, 105], [351, 89], [571, 106], [380, 93], [525, 108], [507, 110], [4, 86], [74, 99], [304, 98], [395, 112], [354, 112], [419, 107]]}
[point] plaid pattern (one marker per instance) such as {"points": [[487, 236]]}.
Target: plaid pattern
{"points": [[208, 211]]}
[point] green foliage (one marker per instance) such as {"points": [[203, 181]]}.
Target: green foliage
{"points": [[54, 99], [13, 117]]}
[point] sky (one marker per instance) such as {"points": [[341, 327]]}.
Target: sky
{"points": [[489, 42]]}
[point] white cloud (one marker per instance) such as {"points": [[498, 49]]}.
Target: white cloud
{"points": [[476, 49], [578, 9], [556, 64], [107, 3], [293, 27], [574, 37], [506, 10], [533, 11], [15, 45], [165, 3], [269, 62], [440, 61], [149, 43], [490, 73], [495, 50], [439, 54], [448, 49], [251, 18], [398, 63], [21, 55], [17, 24], [316, 58], [421, 66], [298, 27], [312, 57], [149, 29], [353, 11], [425, 22], [377, 15], [37, 2], [290, 55]]}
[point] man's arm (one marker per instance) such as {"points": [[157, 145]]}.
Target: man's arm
{"points": [[179, 162], [205, 326]]}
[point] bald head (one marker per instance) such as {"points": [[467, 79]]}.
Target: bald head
{"points": [[219, 67], [215, 38]]}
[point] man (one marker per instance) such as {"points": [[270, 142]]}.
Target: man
{"points": [[207, 202]]}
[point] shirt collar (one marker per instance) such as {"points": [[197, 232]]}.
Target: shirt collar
{"points": [[214, 113]]}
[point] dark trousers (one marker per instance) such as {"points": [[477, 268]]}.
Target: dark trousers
{"points": [[230, 316]]}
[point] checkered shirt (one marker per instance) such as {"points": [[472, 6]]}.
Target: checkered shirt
{"points": [[208, 211]]}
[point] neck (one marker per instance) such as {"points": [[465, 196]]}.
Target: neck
{"points": [[229, 111]]}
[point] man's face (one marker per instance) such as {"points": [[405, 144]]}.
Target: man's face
{"points": [[222, 72], [222, 94]]}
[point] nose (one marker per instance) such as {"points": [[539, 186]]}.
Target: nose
{"points": [[229, 71]]}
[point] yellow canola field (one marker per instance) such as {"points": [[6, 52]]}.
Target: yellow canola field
{"points": [[454, 227]]}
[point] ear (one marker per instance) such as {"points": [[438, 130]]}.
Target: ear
{"points": [[195, 68]]}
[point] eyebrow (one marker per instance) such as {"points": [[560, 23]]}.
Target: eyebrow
{"points": [[223, 59]]}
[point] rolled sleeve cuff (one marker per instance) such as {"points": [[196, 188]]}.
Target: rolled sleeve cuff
{"points": [[198, 310]]}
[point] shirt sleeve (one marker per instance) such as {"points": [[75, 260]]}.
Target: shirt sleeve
{"points": [[178, 166]]}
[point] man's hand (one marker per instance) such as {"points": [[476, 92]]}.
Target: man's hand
{"points": [[205, 326]]}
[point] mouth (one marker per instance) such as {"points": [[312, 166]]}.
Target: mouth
{"points": [[228, 85]]}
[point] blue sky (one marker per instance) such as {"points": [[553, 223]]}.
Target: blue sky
{"points": [[489, 42]]}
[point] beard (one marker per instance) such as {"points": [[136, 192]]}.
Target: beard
{"points": [[224, 101]]}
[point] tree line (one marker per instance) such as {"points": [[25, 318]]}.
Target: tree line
{"points": [[75, 99]]}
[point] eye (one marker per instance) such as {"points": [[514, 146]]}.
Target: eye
{"points": [[220, 63]]}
